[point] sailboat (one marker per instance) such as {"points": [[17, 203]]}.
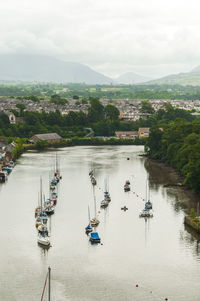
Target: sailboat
{"points": [[147, 212], [47, 280], [88, 229], [57, 175], [104, 203], [43, 237], [49, 207], [93, 180], [148, 204], [107, 197], [94, 221]]}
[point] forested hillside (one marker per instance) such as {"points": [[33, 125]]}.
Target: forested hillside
{"points": [[178, 144]]}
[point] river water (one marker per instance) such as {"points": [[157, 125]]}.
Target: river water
{"points": [[159, 254]]}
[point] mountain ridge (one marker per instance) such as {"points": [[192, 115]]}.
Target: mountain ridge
{"points": [[47, 69]]}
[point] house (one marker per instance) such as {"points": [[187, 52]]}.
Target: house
{"points": [[143, 132], [51, 138], [13, 119], [10, 147], [126, 134]]}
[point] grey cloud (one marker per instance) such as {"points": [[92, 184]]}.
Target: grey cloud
{"points": [[150, 37]]}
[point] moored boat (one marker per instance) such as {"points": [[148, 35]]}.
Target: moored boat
{"points": [[127, 187], [94, 221], [49, 210], [93, 180], [148, 204], [94, 237], [43, 239], [7, 169], [3, 176], [88, 229], [146, 213], [106, 191], [104, 203]]}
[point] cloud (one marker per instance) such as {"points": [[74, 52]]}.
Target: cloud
{"points": [[151, 37]]}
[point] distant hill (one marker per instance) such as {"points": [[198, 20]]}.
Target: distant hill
{"points": [[47, 69], [130, 78], [191, 78]]}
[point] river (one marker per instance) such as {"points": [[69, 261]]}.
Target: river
{"points": [[159, 254]]}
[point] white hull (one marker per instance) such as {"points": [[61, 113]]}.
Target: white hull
{"points": [[43, 240]]}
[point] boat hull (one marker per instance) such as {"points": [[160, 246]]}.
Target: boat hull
{"points": [[43, 241]]}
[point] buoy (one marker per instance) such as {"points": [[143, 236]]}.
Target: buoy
{"points": [[137, 285], [128, 158]]}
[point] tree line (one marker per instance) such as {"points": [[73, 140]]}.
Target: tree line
{"points": [[178, 144], [103, 120]]}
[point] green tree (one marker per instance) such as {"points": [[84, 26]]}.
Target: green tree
{"points": [[22, 107], [95, 111], [111, 112], [146, 107]]}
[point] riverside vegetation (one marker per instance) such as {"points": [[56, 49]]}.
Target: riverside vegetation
{"points": [[177, 142]]}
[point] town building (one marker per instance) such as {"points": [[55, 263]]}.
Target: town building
{"points": [[126, 134], [143, 132], [51, 138]]}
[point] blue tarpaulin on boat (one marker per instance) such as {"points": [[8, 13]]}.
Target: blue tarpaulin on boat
{"points": [[94, 235]]}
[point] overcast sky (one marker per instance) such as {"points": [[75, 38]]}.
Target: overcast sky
{"points": [[149, 37]]}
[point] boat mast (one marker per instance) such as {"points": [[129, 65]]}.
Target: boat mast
{"points": [[148, 199], [89, 213], [95, 209], [41, 192], [56, 162], [49, 290]]}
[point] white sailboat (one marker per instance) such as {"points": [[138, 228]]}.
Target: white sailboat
{"points": [[88, 229], [147, 212], [94, 221], [43, 235], [148, 204], [107, 197]]}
